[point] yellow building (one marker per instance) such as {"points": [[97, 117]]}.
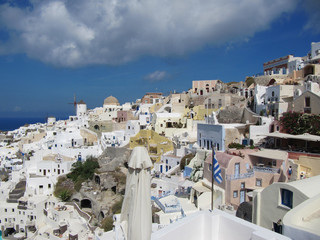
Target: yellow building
{"points": [[156, 144], [198, 112]]}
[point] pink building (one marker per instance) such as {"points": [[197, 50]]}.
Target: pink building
{"points": [[245, 170], [123, 116], [203, 87]]}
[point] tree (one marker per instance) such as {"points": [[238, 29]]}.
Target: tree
{"points": [[65, 195], [249, 81], [299, 123], [81, 172]]}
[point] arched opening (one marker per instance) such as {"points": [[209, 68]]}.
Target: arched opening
{"points": [[97, 180], [102, 215], [85, 203], [9, 231], [114, 189], [308, 70], [168, 109], [96, 127], [271, 82]]}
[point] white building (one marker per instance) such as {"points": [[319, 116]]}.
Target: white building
{"points": [[205, 225], [278, 98], [167, 162], [274, 202]]}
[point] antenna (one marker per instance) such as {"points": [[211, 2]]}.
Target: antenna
{"points": [[74, 103]]}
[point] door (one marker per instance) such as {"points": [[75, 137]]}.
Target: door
{"points": [[242, 196]]}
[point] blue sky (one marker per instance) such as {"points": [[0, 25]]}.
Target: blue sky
{"points": [[51, 50]]}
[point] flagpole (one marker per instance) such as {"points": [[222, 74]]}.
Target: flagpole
{"points": [[212, 178]]}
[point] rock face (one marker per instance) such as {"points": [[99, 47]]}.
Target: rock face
{"points": [[108, 184], [112, 158], [231, 114]]}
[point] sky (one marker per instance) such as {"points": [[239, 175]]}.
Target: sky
{"points": [[53, 50]]}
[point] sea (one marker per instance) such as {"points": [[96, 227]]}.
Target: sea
{"points": [[9, 124]]}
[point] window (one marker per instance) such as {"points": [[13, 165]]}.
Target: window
{"points": [[49, 185], [286, 198], [12, 210], [259, 182], [235, 194], [274, 163], [242, 185], [237, 169], [307, 101], [5, 210]]}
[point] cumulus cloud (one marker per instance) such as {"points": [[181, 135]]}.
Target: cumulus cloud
{"points": [[156, 76], [75, 33], [312, 8]]}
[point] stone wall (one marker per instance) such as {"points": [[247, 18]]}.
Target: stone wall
{"points": [[231, 114]]}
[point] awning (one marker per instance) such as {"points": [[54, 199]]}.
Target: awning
{"points": [[305, 136], [271, 154]]}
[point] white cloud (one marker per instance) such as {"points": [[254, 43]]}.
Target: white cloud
{"points": [[76, 33], [156, 76]]}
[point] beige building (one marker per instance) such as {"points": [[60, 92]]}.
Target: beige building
{"points": [[308, 102], [179, 102], [217, 100], [205, 87]]}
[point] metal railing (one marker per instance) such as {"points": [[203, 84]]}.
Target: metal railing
{"points": [[266, 169], [240, 176]]}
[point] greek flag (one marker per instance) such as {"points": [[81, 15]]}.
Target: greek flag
{"points": [[216, 169]]}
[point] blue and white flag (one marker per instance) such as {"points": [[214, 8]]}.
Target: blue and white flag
{"points": [[216, 169]]}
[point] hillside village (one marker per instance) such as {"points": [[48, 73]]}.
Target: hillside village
{"points": [[66, 179]]}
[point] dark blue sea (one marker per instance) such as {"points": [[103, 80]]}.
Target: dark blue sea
{"points": [[9, 124]]}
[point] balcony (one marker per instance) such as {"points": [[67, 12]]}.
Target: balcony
{"points": [[266, 169], [22, 207], [249, 174], [9, 225], [30, 223]]}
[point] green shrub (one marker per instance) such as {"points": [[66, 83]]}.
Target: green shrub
{"points": [[107, 224], [65, 195], [116, 207], [82, 171], [236, 145]]}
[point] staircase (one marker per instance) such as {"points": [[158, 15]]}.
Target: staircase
{"points": [[17, 192]]}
